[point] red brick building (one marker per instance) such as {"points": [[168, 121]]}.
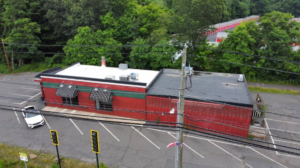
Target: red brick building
{"points": [[212, 103]]}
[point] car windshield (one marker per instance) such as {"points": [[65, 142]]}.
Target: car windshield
{"points": [[29, 115]]}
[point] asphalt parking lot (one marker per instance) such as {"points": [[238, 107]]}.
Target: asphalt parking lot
{"points": [[135, 146]]}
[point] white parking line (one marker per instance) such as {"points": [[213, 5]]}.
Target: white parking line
{"points": [[17, 117], [19, 95], [284, 131], [30, 88], [109, 131], [9, 102], [46, 122], [229, 144], [145, 137], [73, 111], [270, 135], [76, 126], [187, 146], [282, 121], [227, 152], [30, 98]]}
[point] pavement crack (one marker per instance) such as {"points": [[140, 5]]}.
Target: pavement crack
{"points": [[127, 145]]}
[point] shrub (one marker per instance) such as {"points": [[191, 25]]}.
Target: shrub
{"points": [[102, 165], [157, 119], [54, 165], [2, 164]]}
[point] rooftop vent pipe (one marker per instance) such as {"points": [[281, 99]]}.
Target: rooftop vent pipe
{"points": [[103, 63]]}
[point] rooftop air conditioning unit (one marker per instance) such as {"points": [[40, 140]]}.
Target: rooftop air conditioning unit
{"points": [[241, 78], [134, 76], [124, 78], [110, 77], [123, 66]]}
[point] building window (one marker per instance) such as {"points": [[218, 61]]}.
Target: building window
{"points": [[104, 106], [70, 101]]}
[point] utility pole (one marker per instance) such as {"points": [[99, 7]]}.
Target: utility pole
{"points": [[6, 56], [180, 115]]}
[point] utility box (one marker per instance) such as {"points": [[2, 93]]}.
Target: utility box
{"points": [[123, 66], [134, 76], [110, 77], [124, 78]]}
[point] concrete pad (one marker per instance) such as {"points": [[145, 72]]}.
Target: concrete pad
{"points": [[88, 115]]}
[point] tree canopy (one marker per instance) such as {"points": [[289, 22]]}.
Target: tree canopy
{"points": [[146, 34]]}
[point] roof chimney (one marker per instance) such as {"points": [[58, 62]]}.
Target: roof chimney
{"points": [[103, 63]]}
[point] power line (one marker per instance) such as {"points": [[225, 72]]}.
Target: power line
{"points": [[203, 100], [248, 55], [202, 132], [159, 113], [270, 69], [157, 45], [52, 53]]}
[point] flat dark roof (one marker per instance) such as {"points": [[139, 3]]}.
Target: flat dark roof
{"points": [[206, 86]]}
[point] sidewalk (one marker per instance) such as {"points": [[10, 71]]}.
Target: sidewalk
{"points": [[282, 87], [89, 115]]}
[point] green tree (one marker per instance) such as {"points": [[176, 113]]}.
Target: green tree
{"points": [[278, 33], [160, 56], [260, 7], [193, 19], [290, 6], [139, 57], [65, 16], [91, 54], [242, 40], [20, 29]]}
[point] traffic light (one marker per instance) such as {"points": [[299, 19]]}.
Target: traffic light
{"points": [[95, 141], [54, 137]]}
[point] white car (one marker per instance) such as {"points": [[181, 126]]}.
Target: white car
{"points": [[34, 118]]}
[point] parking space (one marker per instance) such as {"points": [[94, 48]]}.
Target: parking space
{"points": [[284, 133], [127, 145]]}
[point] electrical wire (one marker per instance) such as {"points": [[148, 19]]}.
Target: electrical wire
{"points": [[160, 113], [207, 133], [157, 45], [270, 69], [203, 100]]}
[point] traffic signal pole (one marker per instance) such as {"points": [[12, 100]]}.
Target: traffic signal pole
{"points": [[97, 160], [55, 141], [95, 144], [58, 158]]}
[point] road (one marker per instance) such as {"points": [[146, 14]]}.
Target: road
{"points": [[134, 146]]}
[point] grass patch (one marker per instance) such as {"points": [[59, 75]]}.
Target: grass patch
{"points": [[9, 158], [271, 90], [278, 82], [250, 136]]}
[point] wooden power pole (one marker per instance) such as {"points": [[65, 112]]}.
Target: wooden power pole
{"points": [[6, 56], [180, 116]]}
